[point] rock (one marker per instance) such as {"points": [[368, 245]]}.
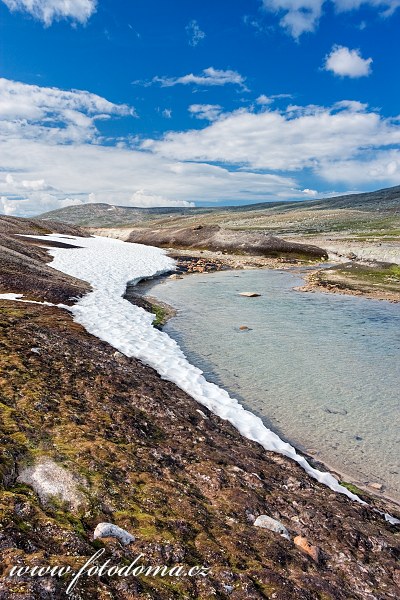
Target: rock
{"points": [[175, 276], [273, 525], [244, 328], [249, 294], [376, 486], [50, 480], [105, 530], [304, 545]]}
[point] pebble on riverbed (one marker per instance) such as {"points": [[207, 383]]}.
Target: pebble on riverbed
{"points": [[249, 294]]}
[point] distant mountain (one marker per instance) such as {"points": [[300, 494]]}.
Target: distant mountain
{"points": [[105, 215]]}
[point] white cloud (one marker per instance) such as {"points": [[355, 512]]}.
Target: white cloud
{"points": [[302, 138], [167, 113], [297, 16], [48, 11], [209, 112], [143, 199], [58, 115], [90, 172], [382, 167], [52, 154], [303, 16], [351, 105], [264, 100], [310, 193], [388, 6], [347, 63], [195, 34], [209, 77]]}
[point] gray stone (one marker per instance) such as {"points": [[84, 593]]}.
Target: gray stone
{"points": [[249, 294], [273, 525], [105, 530]]}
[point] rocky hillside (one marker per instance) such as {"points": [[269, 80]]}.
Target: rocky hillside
{"points": [[105, 215], [216, 239], [108, 215], [24, 261], [90, 436]]}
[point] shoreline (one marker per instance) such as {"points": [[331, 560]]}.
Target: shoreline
{"points": [[142, 292], [340, 250]]}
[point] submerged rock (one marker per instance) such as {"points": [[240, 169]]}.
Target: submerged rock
{"points": [[105, 530], [273, 525], [249, 294]]}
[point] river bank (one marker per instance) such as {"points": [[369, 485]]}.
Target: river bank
{"points": [[198, 318], [360, 270]]}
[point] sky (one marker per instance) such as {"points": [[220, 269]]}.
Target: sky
{"points": [[177, 103]]}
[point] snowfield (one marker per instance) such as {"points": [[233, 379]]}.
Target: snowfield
{"points": [[108, 264]]}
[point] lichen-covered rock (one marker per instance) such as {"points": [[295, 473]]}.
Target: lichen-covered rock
{"points": [[52, 481], [106, 530], [273, 525]]}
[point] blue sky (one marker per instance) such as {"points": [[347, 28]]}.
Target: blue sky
{"points": [[174, 102]]}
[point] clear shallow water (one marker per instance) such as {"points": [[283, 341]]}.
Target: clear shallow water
{"points": [[321, 370]]}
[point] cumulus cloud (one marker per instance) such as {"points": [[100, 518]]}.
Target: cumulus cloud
{"points": [[47, 11], [58, 115], [303, 16], [208, 77], [347, 63], [194, 33], [52, 154], [310, 193], [383, 167], [291, 140], [264, 100], [143, 199], [209, 112]]}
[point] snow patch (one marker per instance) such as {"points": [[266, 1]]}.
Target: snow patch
{"points": [[20, 298]]}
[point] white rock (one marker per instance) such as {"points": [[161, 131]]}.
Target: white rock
{"points": [[105, 530], [51, 480], [249, 294], [273, 525]]}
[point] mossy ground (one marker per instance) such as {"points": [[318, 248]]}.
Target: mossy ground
{"points": [[374, 279], [187, 486]]}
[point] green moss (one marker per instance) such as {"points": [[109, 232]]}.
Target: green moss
{"points": [[160, 315], [352, 488]]}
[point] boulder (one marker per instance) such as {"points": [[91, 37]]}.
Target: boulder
{"points": [[306, 547], [106, 530], [249, 294], [273, 525]]}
